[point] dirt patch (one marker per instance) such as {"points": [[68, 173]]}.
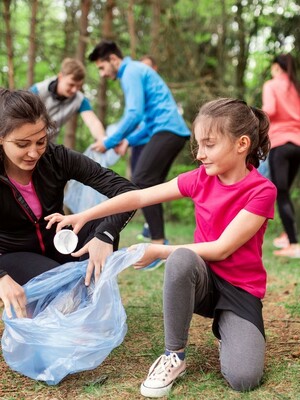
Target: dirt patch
{"points": [[126, 367]]}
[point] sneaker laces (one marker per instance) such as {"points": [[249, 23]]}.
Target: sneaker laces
{"points": [[163, 365]]}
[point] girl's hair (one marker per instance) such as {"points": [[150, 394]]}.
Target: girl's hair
{"points": [[287, 63], [235, 118]]}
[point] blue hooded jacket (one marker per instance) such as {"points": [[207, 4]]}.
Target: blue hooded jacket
{"points": [[147, 99]]}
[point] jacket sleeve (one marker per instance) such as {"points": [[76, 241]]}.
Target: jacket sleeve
{"points": [[133, 90], [139, 136], [2, 272], [81, 168]]}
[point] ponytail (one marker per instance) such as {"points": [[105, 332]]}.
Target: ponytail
{"points": [[259, 148]]}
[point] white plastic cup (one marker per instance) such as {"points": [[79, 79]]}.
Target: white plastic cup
{"points": [[65, 241]]}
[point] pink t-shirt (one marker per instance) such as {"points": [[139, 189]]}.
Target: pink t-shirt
{"points": [[216, 205], [30, 196], [281, 102]]}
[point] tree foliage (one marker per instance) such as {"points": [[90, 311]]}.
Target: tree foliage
{"points": [[203, 49]]}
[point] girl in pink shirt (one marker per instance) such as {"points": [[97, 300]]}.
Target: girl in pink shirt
{"points": [[281, 101], [221, 275]]}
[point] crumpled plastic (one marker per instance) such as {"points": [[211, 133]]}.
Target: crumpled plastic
{"points": [[70, 327], [79, 197]]}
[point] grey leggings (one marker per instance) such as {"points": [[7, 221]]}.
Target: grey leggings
{"points": [[188, 289]]}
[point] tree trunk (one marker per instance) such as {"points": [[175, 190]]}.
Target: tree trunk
{"points": [[107, 33], [71, 125], [222, 34], [9, 44], [32, 43], [155, 28], [242, 55], [83, 30], [131, 28], [70, 33]]}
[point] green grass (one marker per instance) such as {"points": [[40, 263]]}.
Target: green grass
{"points": [[120, 375]]}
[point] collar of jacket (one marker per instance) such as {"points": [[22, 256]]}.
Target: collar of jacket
{"points": [[19, 198], [123, 65], [53, 90]]}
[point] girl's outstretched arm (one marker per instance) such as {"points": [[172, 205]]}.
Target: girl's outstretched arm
{"points": [[124, 202], [240, 230]]}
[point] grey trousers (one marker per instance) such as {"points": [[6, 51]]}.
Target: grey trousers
{"points": [[188, 289]]}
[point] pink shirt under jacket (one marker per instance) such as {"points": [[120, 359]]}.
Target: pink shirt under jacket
{"points": [[216, 205], [30, 196], [282, 103]]}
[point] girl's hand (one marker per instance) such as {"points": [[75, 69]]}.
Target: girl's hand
{"points": [[98, 253], [75, 220], [13, 295], [152, 252]]}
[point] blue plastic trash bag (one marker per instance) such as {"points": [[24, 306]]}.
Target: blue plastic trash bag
{"points": [[70, 327], [79, 197], [264, 168]]}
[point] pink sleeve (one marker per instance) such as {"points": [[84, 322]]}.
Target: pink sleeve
{"points": [[182, 184], [263, 202], [187, 182]]}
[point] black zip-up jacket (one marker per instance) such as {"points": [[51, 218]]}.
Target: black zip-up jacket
{"points": [[20, 230]]}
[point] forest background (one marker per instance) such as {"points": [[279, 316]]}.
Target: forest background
{"points": [[204, 49]]}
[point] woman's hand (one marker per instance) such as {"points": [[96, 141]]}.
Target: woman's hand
{"points": [[12, 295], [98, 253], [152, 252], [74, 220]]}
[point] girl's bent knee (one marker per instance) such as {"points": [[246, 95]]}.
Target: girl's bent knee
{"points": [[181, 261], [184, 267], [182, 252], [183, 257]]}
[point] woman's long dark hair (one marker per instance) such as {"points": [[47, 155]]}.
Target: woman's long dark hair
{"points": [[20, 107], [287, 63]]}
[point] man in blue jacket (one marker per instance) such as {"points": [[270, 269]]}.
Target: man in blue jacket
{"points": [[147, 99]]}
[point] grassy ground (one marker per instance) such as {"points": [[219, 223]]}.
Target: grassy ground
{"points": [[120, 374]]}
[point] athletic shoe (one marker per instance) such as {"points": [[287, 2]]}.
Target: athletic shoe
{"points": [[162, 375], [156, 263], [145, 235], [282, 241]]}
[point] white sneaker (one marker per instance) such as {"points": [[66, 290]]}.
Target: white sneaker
{"points": [[162, 375]]}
